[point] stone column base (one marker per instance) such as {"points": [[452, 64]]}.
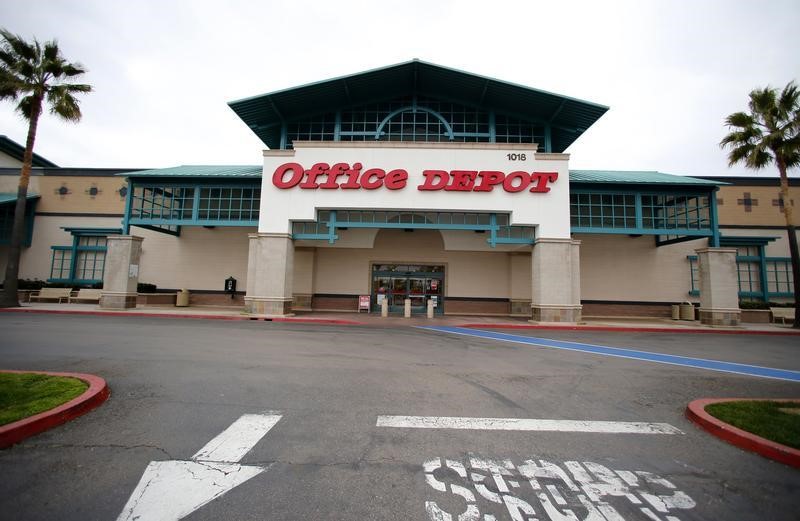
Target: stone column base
{"points": [[520, 308], [115, 300], [720, 317], [571, 314], [268, 307], [302, 301]]}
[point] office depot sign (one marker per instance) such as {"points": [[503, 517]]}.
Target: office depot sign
{"points": [[532, 188], [344, 176]]}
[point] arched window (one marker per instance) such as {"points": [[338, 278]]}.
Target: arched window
{"points": [[414, 124]]}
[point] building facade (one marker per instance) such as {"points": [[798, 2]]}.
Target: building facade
{"points": [[421, 183]]}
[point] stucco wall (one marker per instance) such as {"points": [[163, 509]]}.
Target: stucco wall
{"points": [[622, 268]]}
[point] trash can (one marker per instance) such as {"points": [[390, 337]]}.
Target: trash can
{"points": [[676, 312], [687, 311], [182, 299]]}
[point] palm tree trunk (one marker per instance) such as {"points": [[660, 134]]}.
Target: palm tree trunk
{"points": [[10, 285], [792, 235]]}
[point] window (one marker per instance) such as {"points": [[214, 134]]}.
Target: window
{"points": [[84, 261], [760, 277]]}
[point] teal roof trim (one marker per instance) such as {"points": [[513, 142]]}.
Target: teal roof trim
{"points": [[636, 177], [12, 198], [568, 117], [215, 171]]}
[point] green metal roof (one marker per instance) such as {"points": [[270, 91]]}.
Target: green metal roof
{"points": [[224, 171], [568, 117], [636, 177], [12, 198], [17, 151]]}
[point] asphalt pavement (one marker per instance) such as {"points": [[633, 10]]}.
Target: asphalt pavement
{"points": [[187, 391]]}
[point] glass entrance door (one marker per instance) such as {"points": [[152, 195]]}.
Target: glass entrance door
{"points": [[397, 282]]}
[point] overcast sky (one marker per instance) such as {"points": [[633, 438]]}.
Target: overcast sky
{"points": [[163, 71]]}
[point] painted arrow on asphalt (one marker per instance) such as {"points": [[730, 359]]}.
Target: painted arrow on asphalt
{"points": [[171, 490]]}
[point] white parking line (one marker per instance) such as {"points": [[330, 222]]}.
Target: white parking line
{"points": [[515, 424]]}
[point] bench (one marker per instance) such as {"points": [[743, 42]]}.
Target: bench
{"points": [[87, 294], [52, 294], [783, 314]]}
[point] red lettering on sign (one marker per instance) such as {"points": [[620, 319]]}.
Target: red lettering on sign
{"points": [[366, 180], [489, 179], [334, 173], [542, 179], [462, 181], [434, 180], [352, 178], [278, 177], [324, 176], [524, 181], [312, 174], [396, 179]]}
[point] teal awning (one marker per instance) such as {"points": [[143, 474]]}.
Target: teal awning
{"points": [[645, 177], [220, 171]]}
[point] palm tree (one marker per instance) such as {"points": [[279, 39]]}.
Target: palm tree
{"points": [[34, 74], [769, 133]]}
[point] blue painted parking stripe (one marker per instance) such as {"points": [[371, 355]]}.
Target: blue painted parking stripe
{"points": [[685, 361]]}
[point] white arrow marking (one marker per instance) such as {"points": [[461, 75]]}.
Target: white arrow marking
{"points": [[171, 490]]}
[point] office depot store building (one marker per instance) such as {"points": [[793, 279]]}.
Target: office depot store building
{"points": [[425, 183]]}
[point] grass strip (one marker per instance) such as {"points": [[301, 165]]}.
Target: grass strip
{"points": [[26, 394], [762, 418]]}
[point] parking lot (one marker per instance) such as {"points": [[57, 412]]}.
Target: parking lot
{"points": [[257, 420]]}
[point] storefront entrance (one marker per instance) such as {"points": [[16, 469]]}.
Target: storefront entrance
{"points": [[397, 282]]}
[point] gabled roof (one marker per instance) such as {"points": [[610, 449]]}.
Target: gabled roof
{"points": [[568, 117], [645, 177], [223, 171], [17, 151]]}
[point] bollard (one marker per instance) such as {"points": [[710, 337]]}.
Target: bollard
{"points": [[430, 308], [407, 310], [385, 308]]}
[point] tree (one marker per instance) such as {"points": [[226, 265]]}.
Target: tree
{"points": [[34, 74], [770, 133]]}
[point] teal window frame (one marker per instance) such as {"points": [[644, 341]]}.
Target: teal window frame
{"points": [[417, 119], [7, 221], [670, 215], [163, 205], [69, 264], [759, 277], [495, 224]]}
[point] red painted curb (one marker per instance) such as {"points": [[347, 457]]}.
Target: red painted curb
{"points": [[96, 394], [696, 412], [181, 315], [624, 329]]}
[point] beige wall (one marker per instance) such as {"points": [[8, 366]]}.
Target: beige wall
{"points": [[199, 259], [622, 268], [762, 214], [467, 274], [6, 161]]}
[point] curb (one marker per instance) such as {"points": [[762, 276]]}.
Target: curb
{"points": [[343, 322], [632, 329], [94, 396], [696, 412], [181, 315]]}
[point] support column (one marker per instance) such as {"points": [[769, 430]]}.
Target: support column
{"points": [[556, 281], [270, 268], [121, 273], [719, 287]]}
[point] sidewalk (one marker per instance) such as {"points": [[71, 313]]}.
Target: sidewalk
{"points": [[643, 324]]}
